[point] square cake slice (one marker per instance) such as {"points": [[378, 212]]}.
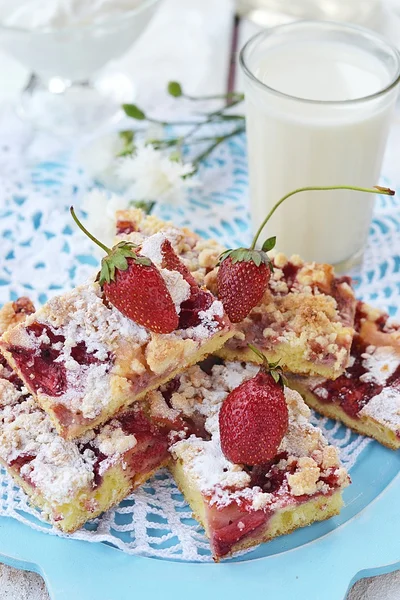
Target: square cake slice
{"points": [[305, 318], [241, 506], [83, 360], [72, 481], [367, 396]]}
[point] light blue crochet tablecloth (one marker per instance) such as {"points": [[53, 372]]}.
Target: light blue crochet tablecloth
{"points": [[42, 253]]}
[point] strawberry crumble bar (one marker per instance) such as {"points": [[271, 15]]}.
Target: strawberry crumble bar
{"points": [[83, 360], [305, 318], [74, 481], [367, 396], [241, 506]]}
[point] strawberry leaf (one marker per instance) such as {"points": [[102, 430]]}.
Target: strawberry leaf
{"points": [[269, 244], [273, 368], [117, 259], [223, 256], [105, 272], [145, 205]]}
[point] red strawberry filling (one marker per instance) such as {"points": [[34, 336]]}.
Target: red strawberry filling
{"points": [[125, 227], [190, 309], [231, 524], [351, 393], [290, 272], [151, 448], [172, 262], [39, 366], [7, 373]]}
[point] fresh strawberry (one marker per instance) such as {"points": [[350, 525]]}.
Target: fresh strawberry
{"points": [[242, 284], [140, 293], [134, 285], [244, 272], [171, 261], [253, 420]]}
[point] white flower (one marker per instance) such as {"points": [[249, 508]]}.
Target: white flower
{"points": [[151, 175], [100, 208], [99, 158]]}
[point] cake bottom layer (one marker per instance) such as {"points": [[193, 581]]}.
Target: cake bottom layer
{"points": [[363, 424], [116, 485], [282, 522], [290, 359]]}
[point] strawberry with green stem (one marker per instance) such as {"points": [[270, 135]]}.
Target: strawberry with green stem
{"points": [[254, 417], [244, 273], [134, 285]]}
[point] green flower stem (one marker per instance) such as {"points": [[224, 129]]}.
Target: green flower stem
{"points": [[90, 236], [217, 142], [199, 140], [166, 123], [229, 96], [375, 190]]}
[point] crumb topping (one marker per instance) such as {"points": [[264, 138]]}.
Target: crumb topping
{"points": [[60, 469], [224, 482], [100, 351], [369, 388]]}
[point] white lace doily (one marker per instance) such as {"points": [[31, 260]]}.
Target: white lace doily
{"points": [[42, 253]]}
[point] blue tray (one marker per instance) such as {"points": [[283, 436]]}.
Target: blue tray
{"points": [[319, 562], [316, 563]]}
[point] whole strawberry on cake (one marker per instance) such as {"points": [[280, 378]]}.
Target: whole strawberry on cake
{"points": [[90, 352], [293, 311]]}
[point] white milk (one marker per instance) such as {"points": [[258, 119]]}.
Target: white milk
{"points": [[293, 143]]}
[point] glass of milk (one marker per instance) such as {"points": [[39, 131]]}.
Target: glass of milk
{"points": [[319, 102]]}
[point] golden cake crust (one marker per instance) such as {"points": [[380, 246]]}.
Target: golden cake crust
{"points": [[305, 318]]}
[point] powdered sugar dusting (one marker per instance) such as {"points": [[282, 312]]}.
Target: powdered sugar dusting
{"points": [[385, 408], [152, 248], [178, 288], [224, 482], [209, 322], [60, 469], [380, 363]]}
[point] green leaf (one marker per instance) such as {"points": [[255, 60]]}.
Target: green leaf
{"points": [[269, 244], [131, 110], [223, 256], [175, 156], [120, 261], [143, 260], [175, 89], [105, 272]]}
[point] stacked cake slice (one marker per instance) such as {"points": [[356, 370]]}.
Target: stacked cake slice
{"points": [[342, 356], [305, 319], [366, 397], [72, 481], [94, 396], [83, 360]]}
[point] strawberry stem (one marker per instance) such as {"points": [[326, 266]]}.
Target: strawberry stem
{"points": [[374, 190], [85, 231]]}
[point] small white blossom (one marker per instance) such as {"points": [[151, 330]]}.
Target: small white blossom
{"points": [[100, 208], [99, 158], [151, 175]]}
